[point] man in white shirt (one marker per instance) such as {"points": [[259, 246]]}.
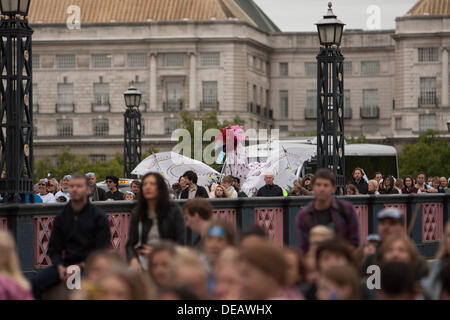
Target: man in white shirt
{"points": [[43, 192], [421, 186], [64, 192]]}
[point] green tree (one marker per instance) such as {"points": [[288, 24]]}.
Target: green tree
{"points": [[430, 154]]}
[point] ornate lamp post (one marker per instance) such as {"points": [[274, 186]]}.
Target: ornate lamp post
{"points": [[16, 105], [132, 143], [330, 98]]}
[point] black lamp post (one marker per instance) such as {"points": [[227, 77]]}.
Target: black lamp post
{"points": [[16, 111], [330, 98], [132, 143]]}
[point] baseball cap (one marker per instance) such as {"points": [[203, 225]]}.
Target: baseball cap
{"points": [[216, 231], [392, 213], [67, 177], [43, 180], [90, 174], [373, 237]]}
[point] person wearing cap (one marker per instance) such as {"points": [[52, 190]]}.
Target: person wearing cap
{"points": [[390, 222], [96, 194], [113, 185], [64, 192], [46, 196], [270, 189]]}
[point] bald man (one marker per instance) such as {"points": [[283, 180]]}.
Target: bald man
{"points": [[270, 189]]}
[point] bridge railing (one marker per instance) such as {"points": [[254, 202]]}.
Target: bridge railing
{"points": [[31, 224]]}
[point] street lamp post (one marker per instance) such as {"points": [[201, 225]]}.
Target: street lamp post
{"points": [[16, 105], [132, 144], [330, 98]]}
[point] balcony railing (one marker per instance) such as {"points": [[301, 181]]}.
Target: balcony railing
{"points": [[310, 113], [428, 99], [209, 106], [173, 106], [347, 113], [65, 107], [101, 107], [370, 112]]}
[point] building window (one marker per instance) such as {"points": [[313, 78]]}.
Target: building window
{"points": [[284, 103], [142, 87], [97, 158], [170, 125], [428, 54], [210, 59], [65, 97], [137, 59], [101, 93], [310, 69], [428, 91], [174, 59], [398, 122], [348, 68], [427, 121], [35, 99], [209, 93], [65, 61], [101, 60], [370, 108], [284, 69], [311, 104], [36, 61], [64, 127], [100, 127], [347, 105], [370, 68]]}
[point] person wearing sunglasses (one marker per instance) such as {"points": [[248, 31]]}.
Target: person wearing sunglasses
{"points": [[46, 196], [113, 185], [53, 186], [64, 192]]}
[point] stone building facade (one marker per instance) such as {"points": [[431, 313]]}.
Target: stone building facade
{"points": [[228, 57]]}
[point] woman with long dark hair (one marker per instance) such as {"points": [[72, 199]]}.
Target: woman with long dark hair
{"points": [[154, 218]]}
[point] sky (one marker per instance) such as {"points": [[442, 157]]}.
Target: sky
{"points": [[301, 15]]}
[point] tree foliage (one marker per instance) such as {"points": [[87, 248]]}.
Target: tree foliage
{"points": [[353, 140], [430, 154], [67, 162]]}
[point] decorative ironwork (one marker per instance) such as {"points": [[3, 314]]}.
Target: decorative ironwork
{"points": [[43, 225], [42, 230], [16, 111], [271, 219], [432, 222], [132, 143], [330, 119], [362, 213], [4, 224], [227, 214]]}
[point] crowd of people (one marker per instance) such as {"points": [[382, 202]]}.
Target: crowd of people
{"points": [[49, 190], [330, 262]]}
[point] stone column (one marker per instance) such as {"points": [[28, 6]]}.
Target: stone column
{"points": [[193, 81], [444, 101], [153, 86]]}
